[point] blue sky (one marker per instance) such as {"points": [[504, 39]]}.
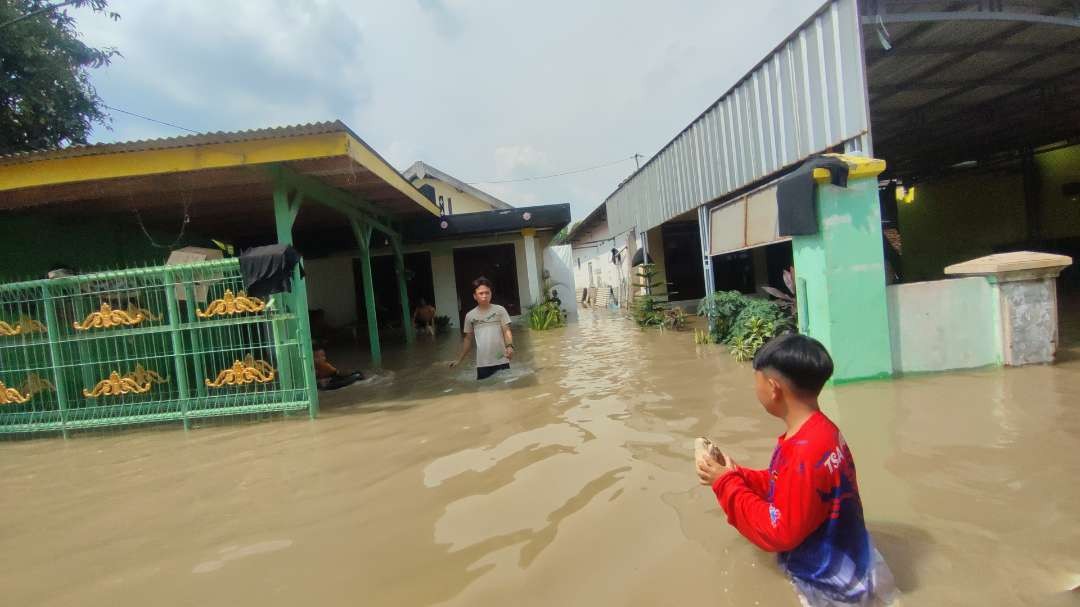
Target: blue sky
{"points": [[484, 90]]}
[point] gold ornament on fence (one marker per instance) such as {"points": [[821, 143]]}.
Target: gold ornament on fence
{"points": [[243, 372], [232, 304], [145, 376], [11, 396], [108, 317], [135, 310], [24, 326], [35, 383], [116, 385]]}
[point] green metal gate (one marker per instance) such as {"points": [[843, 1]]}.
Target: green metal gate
{"points": [[149, 345]]}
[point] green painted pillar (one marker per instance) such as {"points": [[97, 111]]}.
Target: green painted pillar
{"points": [[363, 238], [285, 211], [403, 292], [840, 274], [179, 356]]}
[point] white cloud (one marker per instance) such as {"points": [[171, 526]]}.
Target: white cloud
{"points": [[519, 161], [481, 89]]}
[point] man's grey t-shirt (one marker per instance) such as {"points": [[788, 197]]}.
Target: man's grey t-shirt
{"points": [[487, 327]]}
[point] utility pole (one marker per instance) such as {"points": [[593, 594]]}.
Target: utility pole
{"points": [[637, 161]]}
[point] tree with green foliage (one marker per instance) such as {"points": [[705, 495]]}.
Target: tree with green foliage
{"points": [[46, 98]]}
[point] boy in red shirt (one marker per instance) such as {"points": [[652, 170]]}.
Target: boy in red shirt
{"points": [[806, 505]]}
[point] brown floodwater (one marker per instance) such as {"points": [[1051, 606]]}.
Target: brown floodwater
{"points": [[567, 482]]}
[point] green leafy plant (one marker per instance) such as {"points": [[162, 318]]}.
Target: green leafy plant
{"points": [[442, 324], [761, 310], [743, 323], [548, 313], [786, 299], [45, 68], [703, 337], [721, 308], [758, 331], [674, 318], [651, 309], [648, 311]]}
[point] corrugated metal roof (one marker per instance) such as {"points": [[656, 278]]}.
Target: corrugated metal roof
{"points": [[182, 141], [803, 98], [968, 80]]}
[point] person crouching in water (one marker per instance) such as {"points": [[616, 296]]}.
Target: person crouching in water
{"points": [[327, 376], [806, 505], [489, 325]]}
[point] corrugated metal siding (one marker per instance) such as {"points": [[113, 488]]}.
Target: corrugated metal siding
{"points": [[806, 96]]}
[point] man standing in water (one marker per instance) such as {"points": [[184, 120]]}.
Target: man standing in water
{"points": [[489, 324], [424, 317]]}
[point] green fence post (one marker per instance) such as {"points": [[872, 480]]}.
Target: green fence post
{"points": [[284, 214], [403, 292], [53, 329], [363, 238], [178, 354]]}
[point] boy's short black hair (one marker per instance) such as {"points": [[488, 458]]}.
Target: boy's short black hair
{"points": [[799, 359], [481, 282]]}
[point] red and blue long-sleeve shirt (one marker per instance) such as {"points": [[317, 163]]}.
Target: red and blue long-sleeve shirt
{"points": [[806, 507]]}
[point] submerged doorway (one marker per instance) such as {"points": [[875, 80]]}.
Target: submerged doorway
{"points": [[498, 263], [419, 284]]}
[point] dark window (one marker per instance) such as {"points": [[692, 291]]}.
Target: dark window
{"points": [[428, 191], [442, 207], [449, 206]]}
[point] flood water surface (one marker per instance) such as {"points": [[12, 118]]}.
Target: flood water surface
{"points": [[568, 481]]}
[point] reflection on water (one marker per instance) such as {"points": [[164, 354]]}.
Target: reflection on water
{"points": [[566, 481]]}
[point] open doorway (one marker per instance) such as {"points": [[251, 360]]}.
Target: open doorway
{"points": [[498, 264], [682, 261]]}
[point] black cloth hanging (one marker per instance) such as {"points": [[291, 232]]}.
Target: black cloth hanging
{"points": [[639, 258], [795, 200], [268, 270]]}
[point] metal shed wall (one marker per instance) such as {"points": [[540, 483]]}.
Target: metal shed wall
{"points": [[806, 96]]}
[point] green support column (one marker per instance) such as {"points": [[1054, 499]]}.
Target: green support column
{"points": [[363, 238], [841, 275], [285, 211], [179, 356], [403, 292]]}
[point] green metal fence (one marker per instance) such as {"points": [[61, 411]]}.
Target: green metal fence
{"points": [[148, 345]]}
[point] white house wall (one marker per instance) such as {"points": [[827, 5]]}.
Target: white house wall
{"points": [[558, 263], [331, 288], [604, 273]]}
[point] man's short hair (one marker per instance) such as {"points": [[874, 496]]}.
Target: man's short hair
{"points": [[799, 359], [481, 282]]}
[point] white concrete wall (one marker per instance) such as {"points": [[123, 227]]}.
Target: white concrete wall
{"points": [[331, 288], [944, 324], [442, 273], [557, 263]]}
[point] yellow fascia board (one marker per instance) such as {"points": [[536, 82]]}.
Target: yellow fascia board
{"points": [[859, 167], [366, 158], [176, 160]]}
